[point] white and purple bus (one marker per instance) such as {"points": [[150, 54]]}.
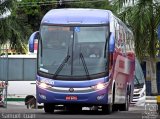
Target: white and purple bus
{"points": [[85, 58]]}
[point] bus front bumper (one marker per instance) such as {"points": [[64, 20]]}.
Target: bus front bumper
{"points": [[96, 97]]}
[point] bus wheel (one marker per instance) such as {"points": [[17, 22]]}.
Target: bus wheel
{"points": [[49, 107], [125, 107], [115, 108], [107, 109]]}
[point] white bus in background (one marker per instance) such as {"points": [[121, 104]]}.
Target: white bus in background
{"points": [[20, 72], [139, 96]]}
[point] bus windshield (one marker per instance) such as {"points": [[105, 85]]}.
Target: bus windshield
{"points": [[73, 51], [139, 77]]}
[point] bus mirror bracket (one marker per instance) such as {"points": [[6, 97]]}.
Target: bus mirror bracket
{"points": [[32, 39], [111, 48], [111, 43]]}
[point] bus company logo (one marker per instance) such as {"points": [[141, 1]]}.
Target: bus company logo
{"points": [[71, 90]]}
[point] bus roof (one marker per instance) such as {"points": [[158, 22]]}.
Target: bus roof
{"points": [[76, 16], [20, 56]]}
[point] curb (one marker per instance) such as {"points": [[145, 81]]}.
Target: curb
{"points": [[151, 99], [158, 103]]}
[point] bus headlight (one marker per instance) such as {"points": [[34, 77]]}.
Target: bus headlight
{"points": [[100, 86], [44, 85], [137, 90], [143, 94]]}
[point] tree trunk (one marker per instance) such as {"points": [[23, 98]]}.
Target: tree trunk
{"points": [[153, 54], [151, 75]]}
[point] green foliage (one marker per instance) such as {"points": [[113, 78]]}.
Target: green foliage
{"points": [[89, 4], [19, 33], [34, 10], [12, 28], [4, 32], [6, 5]]}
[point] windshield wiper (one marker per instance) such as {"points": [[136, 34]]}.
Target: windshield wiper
{"points": [[61, 66], [84, 65]]}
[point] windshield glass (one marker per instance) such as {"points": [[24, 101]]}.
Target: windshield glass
{"points": [[73, 51], [139, 77]]}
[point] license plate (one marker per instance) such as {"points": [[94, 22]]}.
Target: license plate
{"points": [[71, 98]]}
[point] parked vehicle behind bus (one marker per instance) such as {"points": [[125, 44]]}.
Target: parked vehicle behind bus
{"points": [[20, 71], [85, 58], [139, 96]]}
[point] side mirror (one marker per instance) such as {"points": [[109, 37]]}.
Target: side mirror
{"points": [[111, 43], [32, 39], [111, 49]]}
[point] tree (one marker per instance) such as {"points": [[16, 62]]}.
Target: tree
{"points": [[26, 17], [5, 7], [12, 28], [99, 4], [143, 16], [33, 10]]}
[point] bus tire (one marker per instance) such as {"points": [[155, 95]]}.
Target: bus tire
{"points": [[114, 106], [107, 109], [49, 108], [125, 107]]}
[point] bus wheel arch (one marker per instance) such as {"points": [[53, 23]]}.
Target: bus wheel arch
{"points": [[30, 101]]}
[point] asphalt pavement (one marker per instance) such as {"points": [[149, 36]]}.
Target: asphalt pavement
{"points": [[19, 111]]}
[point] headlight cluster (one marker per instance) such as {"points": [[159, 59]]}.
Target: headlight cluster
{"points": [[100, 86], [143, 94], [43, 85], [138, 90]]}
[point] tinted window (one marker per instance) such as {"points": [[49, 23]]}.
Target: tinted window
{"points": [[139, 77]]}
